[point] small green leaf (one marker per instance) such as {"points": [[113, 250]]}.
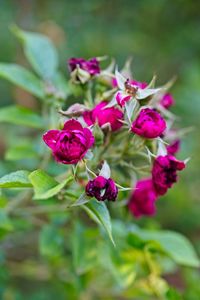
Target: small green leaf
{"points": [[16, 179], [23, 78], [21, 116], [40, 52], [174, 244], [45, 186], [99, 213]]}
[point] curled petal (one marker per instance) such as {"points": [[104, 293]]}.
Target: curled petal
{"points": [[72, 125], [122, 98], [50, 138]]}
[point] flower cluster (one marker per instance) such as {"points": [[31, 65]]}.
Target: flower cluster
{"points": [[127, 113]]}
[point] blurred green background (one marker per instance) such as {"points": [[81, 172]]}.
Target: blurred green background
{"points": [[163, 38]]}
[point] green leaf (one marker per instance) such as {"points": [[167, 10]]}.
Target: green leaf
{"points": [[99, 213], [21, 151], [51, 242], [174, 244], [45, 186], [81, 200], [83, 249], [16, 179], [21, 116], [23, 78], [40, 52]]}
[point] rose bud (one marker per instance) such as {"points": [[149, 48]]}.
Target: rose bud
{"points": [[174, 147], [149, 124], [75, 110], [102, 189], [167, 101], [90, 66], [70, 144], [164, 172], [142, 200], [104, 116]]}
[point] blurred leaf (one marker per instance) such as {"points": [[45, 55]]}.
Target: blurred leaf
{"points": [[5, 222], [61, 84], [84, 251], [99, 213], [40, 52], [46, 186], [174, 244], [21, 116], [21, 151], [23, 78], [15, 180], [51, 241], [81, 200], [173, 294]]}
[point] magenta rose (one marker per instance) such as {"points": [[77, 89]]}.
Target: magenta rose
{"points": [[102, 189], [174, 147], [111, 116], [70, 144], [91, 65], [164, 172], [149, 124], [167, 101], [142, 200]]}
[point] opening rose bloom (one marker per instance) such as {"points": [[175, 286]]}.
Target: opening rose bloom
{"points": [[167, 101], [91, 66], [164, 172], [104, 116], [102, 189], [142, 200], [70, 144], [130, 89], [149, 124]]}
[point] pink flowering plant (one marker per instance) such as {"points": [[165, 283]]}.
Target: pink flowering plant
{"points": [[102, 149]]}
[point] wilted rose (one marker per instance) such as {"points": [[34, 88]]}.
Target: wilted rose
{"points": [[102, 189], [164, 172]]}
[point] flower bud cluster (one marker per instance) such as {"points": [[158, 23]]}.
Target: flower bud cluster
{"points": [[123, 109]]}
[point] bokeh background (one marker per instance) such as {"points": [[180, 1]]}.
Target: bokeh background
{"points": [[163, 38]]}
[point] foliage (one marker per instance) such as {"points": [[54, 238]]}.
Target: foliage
{"points": [[44, 210]]}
